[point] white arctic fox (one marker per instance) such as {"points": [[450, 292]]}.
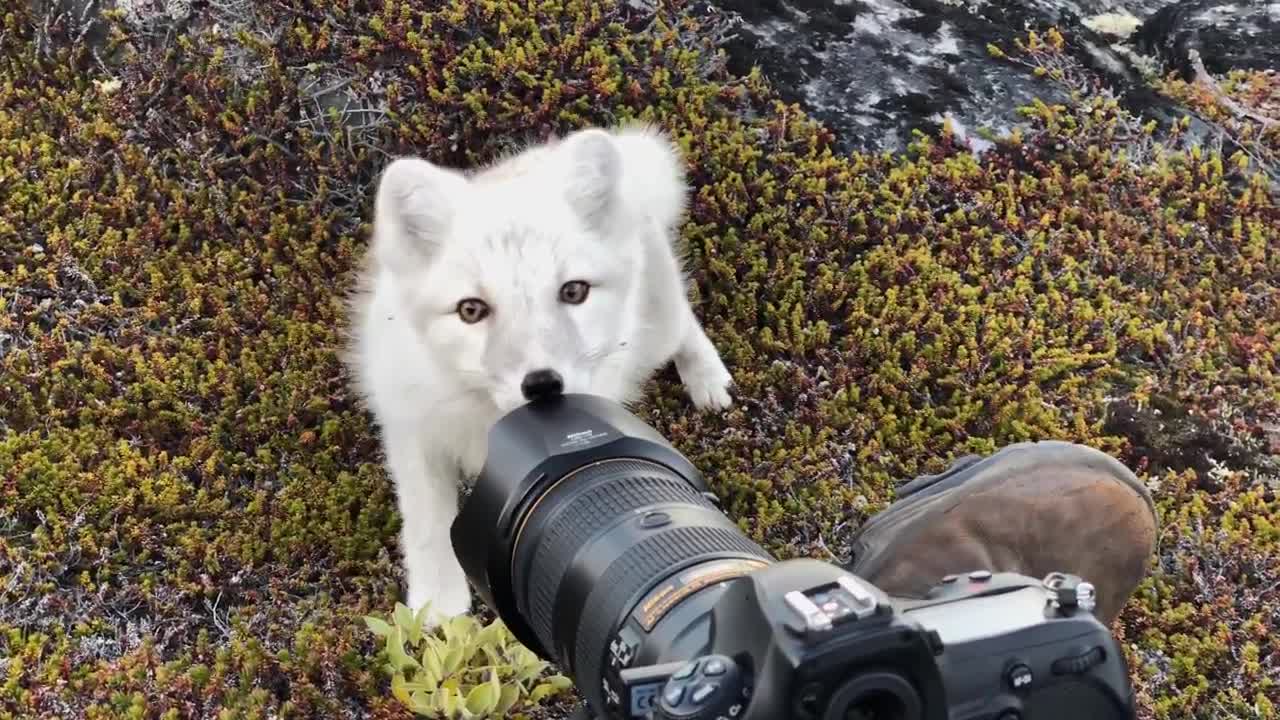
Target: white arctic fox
{"points": [[551, 270]]}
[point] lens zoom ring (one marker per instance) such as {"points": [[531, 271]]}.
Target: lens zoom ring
{"points": [[616, 488], [644, 563]]}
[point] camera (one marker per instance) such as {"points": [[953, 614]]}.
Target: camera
{"points": [[602, 549]]}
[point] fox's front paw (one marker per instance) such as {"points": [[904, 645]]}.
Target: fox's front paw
{"points": [[707, 381], [447, 601]]}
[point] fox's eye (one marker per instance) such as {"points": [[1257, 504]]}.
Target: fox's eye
{"points": [[574, 292], [472, 310]]}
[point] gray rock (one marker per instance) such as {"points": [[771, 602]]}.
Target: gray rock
{"points": [[875, 70], [1227, 34]]}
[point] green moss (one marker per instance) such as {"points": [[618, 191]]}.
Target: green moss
{"points": [[195, 518]]}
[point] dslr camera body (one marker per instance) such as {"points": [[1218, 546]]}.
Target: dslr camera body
{"points": [[603, 550]]}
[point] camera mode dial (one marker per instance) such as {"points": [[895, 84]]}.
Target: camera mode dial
{"points": [[711, 687]]}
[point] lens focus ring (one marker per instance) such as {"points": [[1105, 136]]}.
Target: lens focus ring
{"points": [[571, 514]]}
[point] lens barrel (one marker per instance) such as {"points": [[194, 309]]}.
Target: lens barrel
{"points": [[581, 511], [601, 538]]}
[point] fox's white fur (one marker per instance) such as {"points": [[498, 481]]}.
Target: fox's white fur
{"points": [[597, 206]]}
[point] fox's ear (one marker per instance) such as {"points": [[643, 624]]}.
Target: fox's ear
{"points": [[414, 208], [594, 171]]}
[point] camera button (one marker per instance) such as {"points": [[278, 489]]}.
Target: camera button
{"points": [[714, 667], [947, 580], [980, 575], [1019, 677], [655, 519], [685, 672], [702, 692], [674, 695]]}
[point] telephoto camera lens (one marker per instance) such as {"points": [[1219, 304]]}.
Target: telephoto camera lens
{"points": [[583, 517]]}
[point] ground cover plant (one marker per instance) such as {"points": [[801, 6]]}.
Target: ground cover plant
{"points": [[194, 521]]}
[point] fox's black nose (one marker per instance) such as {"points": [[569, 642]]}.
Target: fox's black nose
{"points": [[541, 383]]}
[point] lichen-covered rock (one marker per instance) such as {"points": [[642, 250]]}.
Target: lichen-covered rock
{"points": [[193, 513], [1225, 35], [874, 71]]}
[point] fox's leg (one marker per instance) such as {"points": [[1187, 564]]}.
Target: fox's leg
{"points": [[427, 495], [701, 369]]}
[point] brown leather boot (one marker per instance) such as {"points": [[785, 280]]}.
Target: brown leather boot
{"points": [[1031, 508]]}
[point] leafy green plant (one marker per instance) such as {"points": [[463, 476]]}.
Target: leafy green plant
{"points": [[462, 669]]}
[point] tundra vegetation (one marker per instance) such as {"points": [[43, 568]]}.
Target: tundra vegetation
{"points": [[194, 518]]}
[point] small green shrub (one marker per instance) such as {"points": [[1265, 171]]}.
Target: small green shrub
{"points": [[438, 673]]}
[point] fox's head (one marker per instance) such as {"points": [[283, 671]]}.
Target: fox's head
{"points": [[523, 278]]}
